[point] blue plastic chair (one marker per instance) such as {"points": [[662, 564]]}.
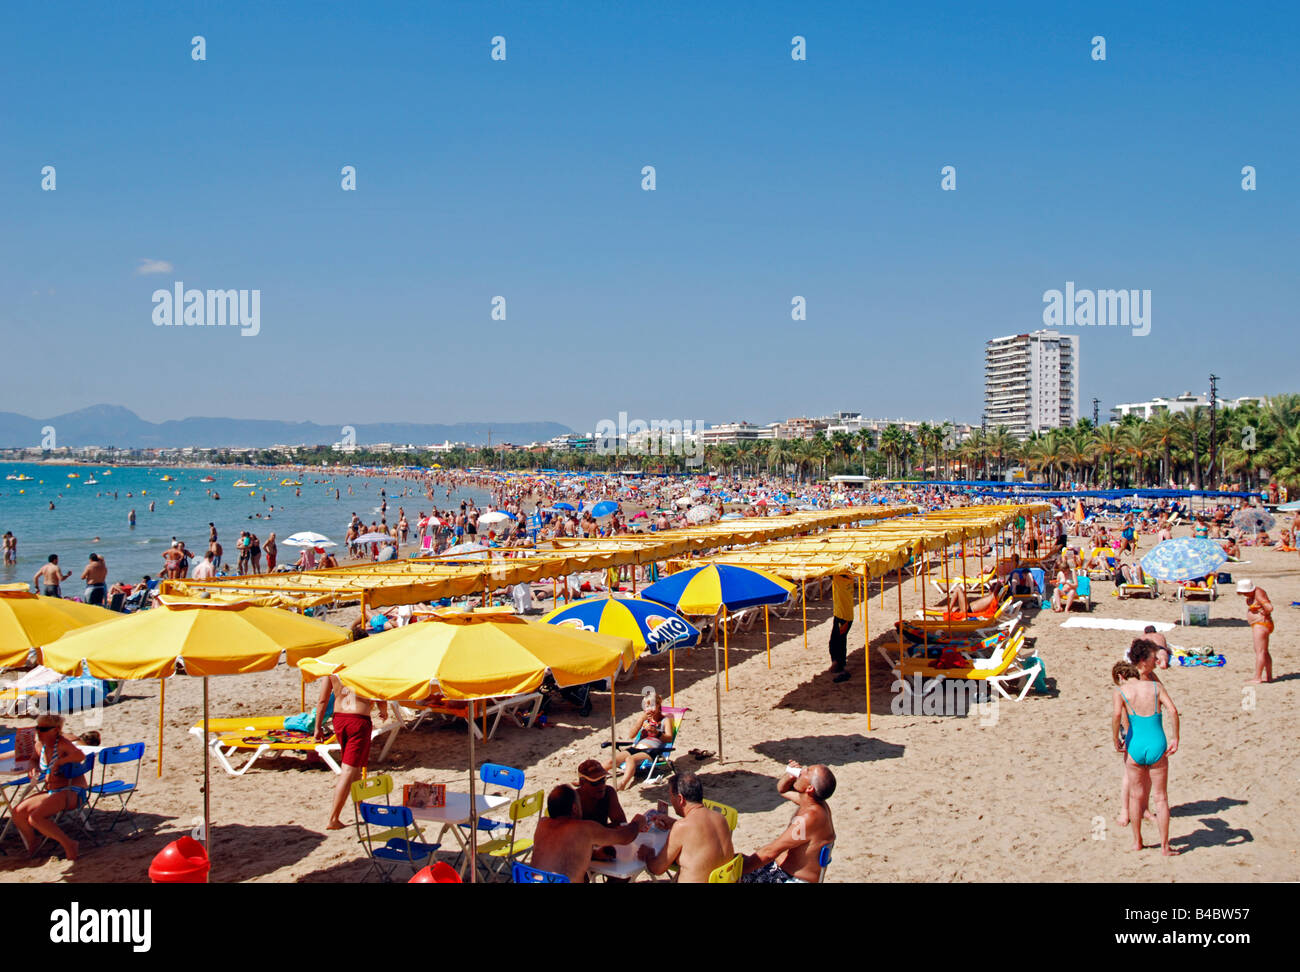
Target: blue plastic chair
{"points": [[496, 774], [824, 859], [523, 874], [398, 852], [81, 813], [118, 786]]}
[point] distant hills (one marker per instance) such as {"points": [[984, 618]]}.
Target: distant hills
{"points": [[112, 425]]}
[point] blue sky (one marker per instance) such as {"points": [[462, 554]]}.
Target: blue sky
{"points": [[522, 178]]}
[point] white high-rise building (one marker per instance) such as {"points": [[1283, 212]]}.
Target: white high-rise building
{"points": [[1031, 382]]}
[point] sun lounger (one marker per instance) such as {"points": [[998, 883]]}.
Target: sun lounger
{"points": [[267, 734], [1004, 666], [413, 714]]}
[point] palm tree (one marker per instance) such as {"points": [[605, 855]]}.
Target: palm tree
{"points": [[1164, 434], [1194, 427], [1107, 443]]}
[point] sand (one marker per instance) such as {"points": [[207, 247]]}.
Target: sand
{"points": [[1031, 796]]}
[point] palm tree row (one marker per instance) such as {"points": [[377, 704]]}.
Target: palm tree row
{"points": [[1249, 444]]}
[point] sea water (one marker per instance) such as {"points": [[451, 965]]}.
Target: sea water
{"points": [[183, 507]]}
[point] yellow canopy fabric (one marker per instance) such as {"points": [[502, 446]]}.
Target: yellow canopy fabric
{"points": [[211, 638], [29, 620], [471, 657], [429, 579]]}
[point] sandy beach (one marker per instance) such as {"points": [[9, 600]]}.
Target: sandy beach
{"points": [[1025, 791]]}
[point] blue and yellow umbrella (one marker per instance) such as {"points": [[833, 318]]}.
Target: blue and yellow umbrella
{"points": [[649, 625], [711, 588], [706, 589]]}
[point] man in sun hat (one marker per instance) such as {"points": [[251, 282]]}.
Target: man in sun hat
{"points": [[1259, 612]]}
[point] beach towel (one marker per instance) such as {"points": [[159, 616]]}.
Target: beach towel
{"points": [[306, 721], [1116, 624]]}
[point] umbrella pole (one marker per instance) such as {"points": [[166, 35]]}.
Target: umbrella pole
{"points": [[613, 738], [726, 656], [473, 807], [207, 780], [717, 697], [162, 696], [767, 636]]}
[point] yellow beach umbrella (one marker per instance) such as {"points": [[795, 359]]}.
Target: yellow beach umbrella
{"points": [[207, 637], [28, 620], [470, 657]]}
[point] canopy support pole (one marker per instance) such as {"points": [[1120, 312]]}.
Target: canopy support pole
{"points": [[803, 600], [900, 617], [925, 630], [672, 692], [866, 641]]}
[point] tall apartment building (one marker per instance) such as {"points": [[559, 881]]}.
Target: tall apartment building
{"points": [[1031, 382]]}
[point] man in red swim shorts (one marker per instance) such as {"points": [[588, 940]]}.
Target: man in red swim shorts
{"points": [[352, 728]]}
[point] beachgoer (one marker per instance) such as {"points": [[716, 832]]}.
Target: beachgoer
{"points": [[48, 580], [1259, 612], [95, 574], [61, 793], [205, 569], [699, 842], [564, 841], [11, 548], [794, 857], [653, 728], [352, 728], [1162, 645], [1146, 745], [271, 550], [841, 621], [1066, 591]]}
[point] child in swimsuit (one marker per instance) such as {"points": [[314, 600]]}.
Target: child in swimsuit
{"points": [[1145, 744], [651, 734]]}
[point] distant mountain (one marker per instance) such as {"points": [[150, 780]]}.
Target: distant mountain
{"points": [[112, 425]]}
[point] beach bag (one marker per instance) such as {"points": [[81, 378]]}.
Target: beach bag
{"points": [[1040, 680]]}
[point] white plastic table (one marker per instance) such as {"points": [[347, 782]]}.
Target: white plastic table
{"points": [[456, 812], [626, 864]]}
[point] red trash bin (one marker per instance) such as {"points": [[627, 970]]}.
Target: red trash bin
{"points": [[183, 861], [438, 873]]}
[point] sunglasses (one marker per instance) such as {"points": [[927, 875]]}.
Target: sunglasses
{"points": [[47, 728]]}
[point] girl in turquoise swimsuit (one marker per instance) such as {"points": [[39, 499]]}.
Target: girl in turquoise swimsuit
{"points": [[1145, 744]]}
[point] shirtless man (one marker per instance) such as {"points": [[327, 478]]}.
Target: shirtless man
{"points": [[699, 842], [793, 858], [564, 841], [95, 574], [48, 578], [11, 548], [1259, 612], [1162, 645], [352, 727]]}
